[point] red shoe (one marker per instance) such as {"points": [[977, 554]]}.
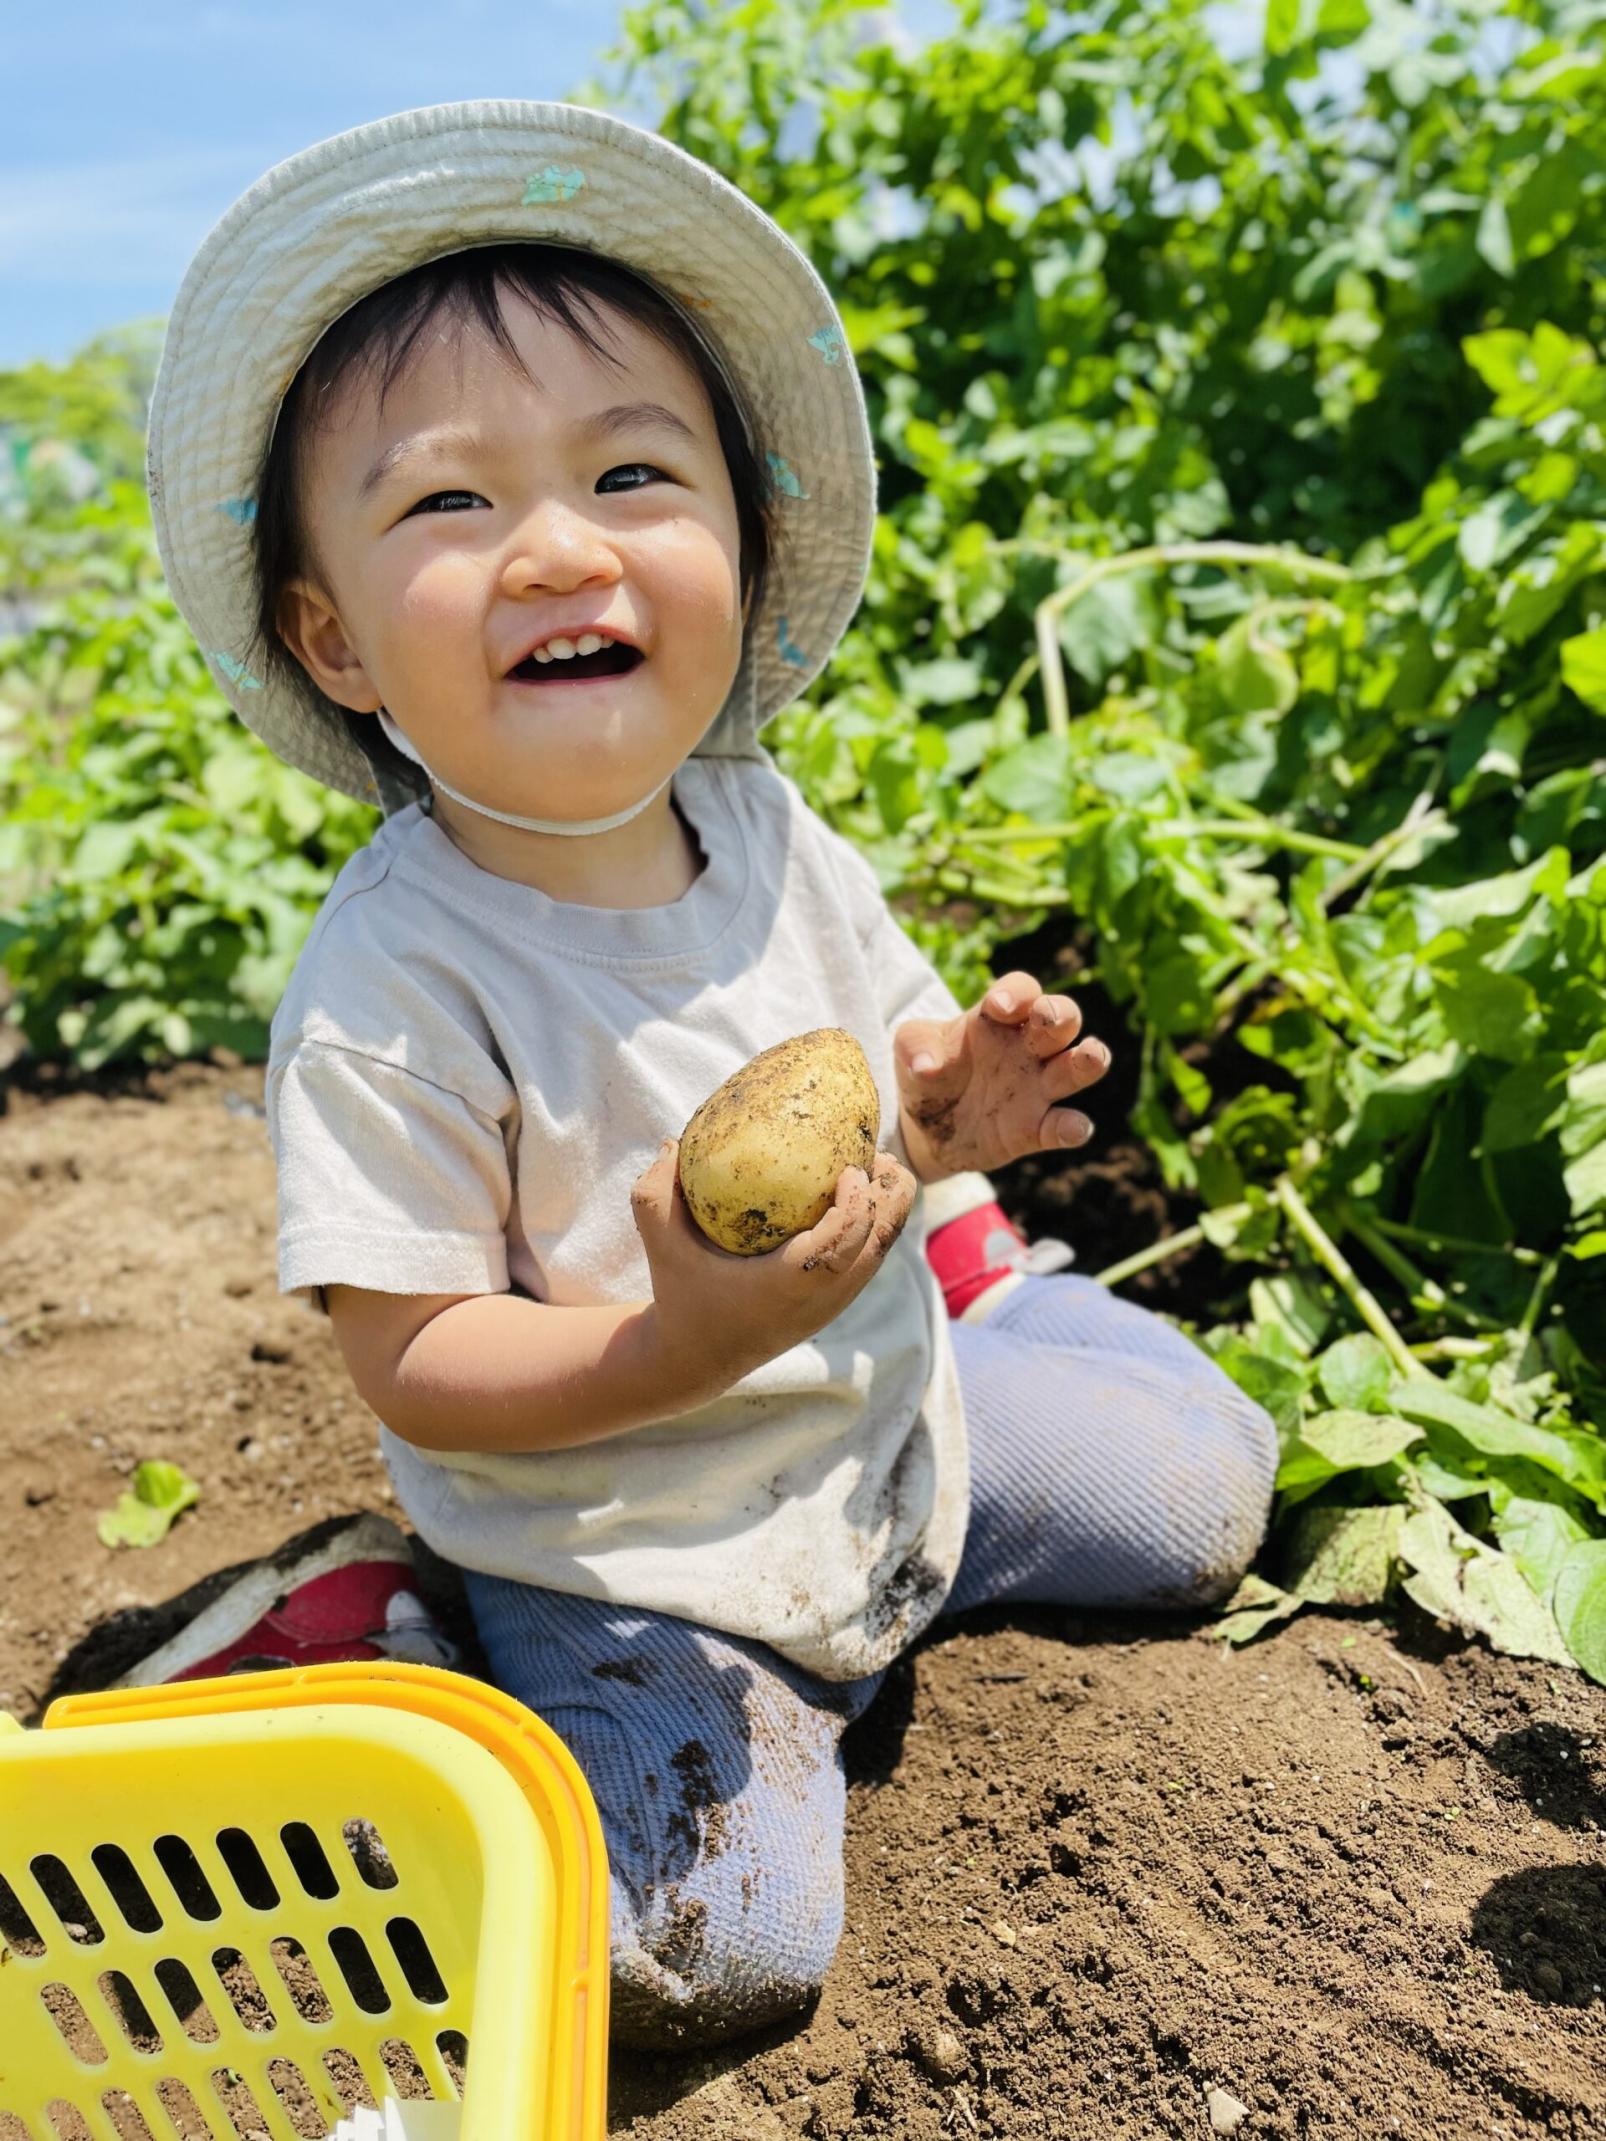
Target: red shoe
{"points": [[341, 1592], [983, 1248]]}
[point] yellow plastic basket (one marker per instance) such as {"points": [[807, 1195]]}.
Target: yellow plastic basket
{"points": [[239, 1907]]}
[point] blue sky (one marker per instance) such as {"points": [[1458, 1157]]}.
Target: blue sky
{"points": [[131, 125]]}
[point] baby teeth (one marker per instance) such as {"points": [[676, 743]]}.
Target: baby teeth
{"points": [[562, 649]]}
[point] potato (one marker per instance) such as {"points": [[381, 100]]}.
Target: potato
{"points": [[759, 1160]]}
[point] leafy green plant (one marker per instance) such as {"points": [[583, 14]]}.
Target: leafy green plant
{"points": [[143, 1513], [173, 865]]}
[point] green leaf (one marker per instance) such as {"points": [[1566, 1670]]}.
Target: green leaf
{"points": [[1578, 1459], [1537, 587], [1254, 674], [1583, 1138], [1498, 526], [1357, 1371], [1106, 624], [1033, 779], [1538, 1535], [142, 1516], [1129, 776], [1344, 1441], [1494, 237], [1291, 1301], [948, 682], [1583, 668], [1526, 1105], [1344, 1557], [1270, 1382], [1253, 1607], [1492, 1014], [1282, 26], [1449, 1478], [1581, 1605], [1476, 1588]]}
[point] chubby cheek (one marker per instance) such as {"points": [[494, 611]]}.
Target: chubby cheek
{"points": [[693, 582], [438, 607]]}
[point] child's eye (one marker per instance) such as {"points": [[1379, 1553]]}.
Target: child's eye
{"points": [[624, 468]]}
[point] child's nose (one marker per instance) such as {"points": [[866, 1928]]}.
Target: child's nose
{"points": [[558, 544]]}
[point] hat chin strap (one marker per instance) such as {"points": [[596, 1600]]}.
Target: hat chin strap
{"points": [[506, 817]]}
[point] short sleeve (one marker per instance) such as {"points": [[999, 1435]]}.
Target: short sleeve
{"points": [[906, 983], [385, 1180]]}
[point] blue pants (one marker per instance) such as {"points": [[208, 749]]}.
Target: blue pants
{"points": [[1112, 1464]]}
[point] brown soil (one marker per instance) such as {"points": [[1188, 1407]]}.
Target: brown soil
{"points": [[1353, 1876]]}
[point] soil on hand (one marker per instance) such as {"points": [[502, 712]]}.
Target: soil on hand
{"points": [[1105, 1877]]}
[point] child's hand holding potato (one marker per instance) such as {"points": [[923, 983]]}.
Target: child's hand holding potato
{"points": [[719, 1314]]}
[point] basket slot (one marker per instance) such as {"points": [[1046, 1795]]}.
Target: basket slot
{"points": [[76, 2030], [301, 1980], [310, 2118], [68, 2123], [418, 1965], [349, 2079], [453, 2048], [62, 1893], [369, 1853], [238, 1851], [194, 1892], [309, 1861], [124, 1888], [405, 2068], [13, 2128], [358, 1968], [129, 2012], [241, 2110], [187, 2001], [188, 2121], [128, 2120], [17, 1929], [241, 1989], [443, 2084]]}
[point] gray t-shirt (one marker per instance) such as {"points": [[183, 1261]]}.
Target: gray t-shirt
{"points": [[466, 1077]]}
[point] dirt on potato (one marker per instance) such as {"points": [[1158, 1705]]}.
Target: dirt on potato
{"points": [[1105, 1877]]}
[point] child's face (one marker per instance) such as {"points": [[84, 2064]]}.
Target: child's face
{"points": [[442, 575]]}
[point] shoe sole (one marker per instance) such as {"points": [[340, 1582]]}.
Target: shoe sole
{"points": [[243, 1604]]}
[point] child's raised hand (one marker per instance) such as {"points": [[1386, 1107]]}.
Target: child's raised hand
{"points": [[980, 1090], [719, 1314]]}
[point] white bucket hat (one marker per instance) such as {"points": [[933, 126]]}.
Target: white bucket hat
{"points": [[321, 230]]}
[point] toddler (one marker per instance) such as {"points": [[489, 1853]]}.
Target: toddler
{"points": [[513, 470]]}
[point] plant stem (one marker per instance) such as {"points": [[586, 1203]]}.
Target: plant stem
{"points": [[1260, 832], [1158, 1251], [1360, 1298], [965, 886], [1380, 850], [1456, 1348], [1542, 1286], [1401, 1232], [1425, 1292], [1056, 701]]}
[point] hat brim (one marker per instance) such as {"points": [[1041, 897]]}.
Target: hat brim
{"points": [[321, 230]]}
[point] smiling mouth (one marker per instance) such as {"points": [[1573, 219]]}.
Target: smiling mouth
{"points": [[614, 661]]}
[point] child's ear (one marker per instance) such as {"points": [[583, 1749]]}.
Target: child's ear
{"points": [[315, 636]]}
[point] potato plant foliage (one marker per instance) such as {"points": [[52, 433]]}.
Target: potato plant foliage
{"points": [[1239, 589]]}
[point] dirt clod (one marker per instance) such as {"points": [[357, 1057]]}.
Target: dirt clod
{"points": [[942, 2055], [1226, 2113]]}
